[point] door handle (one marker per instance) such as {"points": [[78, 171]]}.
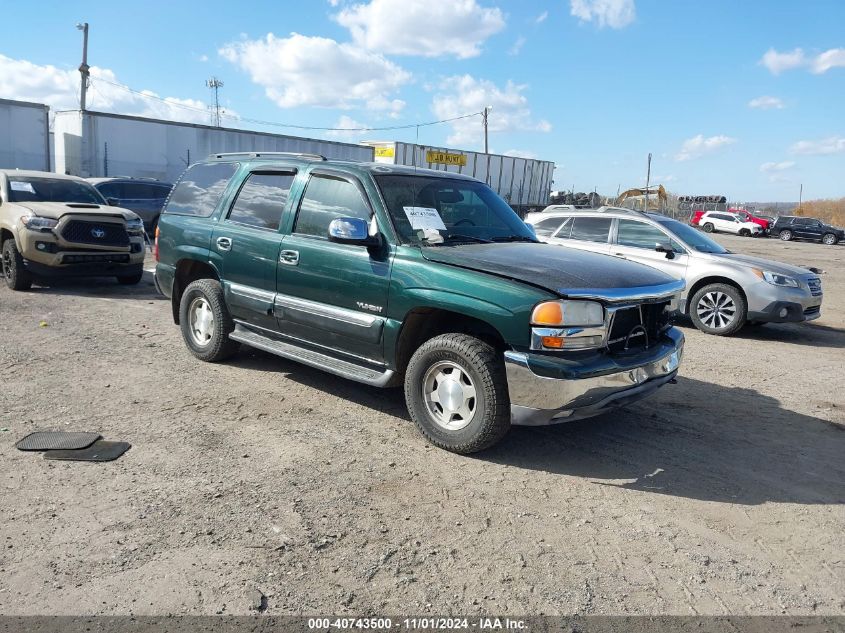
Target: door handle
{"points": [[290, 258], [224, 243]]}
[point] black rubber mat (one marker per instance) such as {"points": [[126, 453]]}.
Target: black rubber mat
{"points": [[99, 451], [57, 440]]}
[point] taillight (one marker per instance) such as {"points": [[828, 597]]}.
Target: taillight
{"points": [[155, 246]]}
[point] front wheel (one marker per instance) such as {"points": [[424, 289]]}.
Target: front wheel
{"points": [[457, 393], [785, 235], [206, 322], [131, 278], [14, 272], [745, 233], [829, 239], [708, 227], [718, 309]]}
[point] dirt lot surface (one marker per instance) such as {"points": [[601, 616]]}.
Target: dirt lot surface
{"points": [[723, 494]]}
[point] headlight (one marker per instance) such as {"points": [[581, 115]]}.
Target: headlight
{"points": [[569, 313], [135, 226], [776, 279], [35, 223]]}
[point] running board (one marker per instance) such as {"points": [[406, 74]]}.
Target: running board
{"points": [[309, 357]]}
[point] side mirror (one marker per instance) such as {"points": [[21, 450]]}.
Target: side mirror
{"points": [[352, 231], [113, 202], [667, 249]]}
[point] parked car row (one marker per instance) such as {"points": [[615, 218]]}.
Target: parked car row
{"points": [[785, 227]]}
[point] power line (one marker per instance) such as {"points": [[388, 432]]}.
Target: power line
{"points": [[290, 125]]}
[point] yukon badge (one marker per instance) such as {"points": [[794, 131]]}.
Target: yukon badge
{"points": [[369, 306]]}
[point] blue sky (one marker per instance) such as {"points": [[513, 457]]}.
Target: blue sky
{"points": [[738, 98]]}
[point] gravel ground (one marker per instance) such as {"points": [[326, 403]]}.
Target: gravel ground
{"points": [[261, 484]]}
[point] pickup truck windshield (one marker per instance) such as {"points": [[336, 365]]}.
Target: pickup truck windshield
{"points": [[460, 211], [25, 189], [693, 238]]}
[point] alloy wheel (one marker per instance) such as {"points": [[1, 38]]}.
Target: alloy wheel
{"points": [[716, 310], [450, 395], [202, 321]]}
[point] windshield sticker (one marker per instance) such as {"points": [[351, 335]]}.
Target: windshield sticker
{"points": [[424, 218], [18, 185]]}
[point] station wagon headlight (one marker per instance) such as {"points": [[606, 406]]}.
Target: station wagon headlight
{"points": [[776, 279], [135, 226], [36, 223]]}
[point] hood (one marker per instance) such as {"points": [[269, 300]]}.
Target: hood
{"points": [[763, 264], [56, 210], [563, 271]]}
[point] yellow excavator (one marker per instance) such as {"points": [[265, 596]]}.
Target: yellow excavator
{"points": [[657, 191]]}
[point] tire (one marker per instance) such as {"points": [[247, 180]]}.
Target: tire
{"points": [[708, 227], [829, 239], [468, 364], [785, 235], [731, 313], [208, 341], [745, 233], [14, 272], [132, 278]]}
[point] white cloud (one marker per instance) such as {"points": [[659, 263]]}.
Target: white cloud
{"points": [[819, 64], [421, 27], [520, 153], [517, 46], [617, 14], [541, 18], [766, 103], [782, 166], [58, 88], [317, 71], [829, 145], [699, 145], [464, 94], [348, 134]]}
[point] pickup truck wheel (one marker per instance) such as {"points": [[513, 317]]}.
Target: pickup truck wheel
{"points": [[14, 272], [785, 235], [206, 322], [457, 393], [132, 278], [829, 239], [718, 309], [708, 227]]}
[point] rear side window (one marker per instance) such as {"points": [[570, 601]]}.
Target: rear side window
{"points": [[111, 190], [327, 198], [545, 228], [591, 229], [200, 189], [261, 200]]}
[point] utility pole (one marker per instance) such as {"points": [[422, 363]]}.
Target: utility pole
{"points": [[647, 181], [83, 67], [215, 84], [800, 197], [484, 123]]}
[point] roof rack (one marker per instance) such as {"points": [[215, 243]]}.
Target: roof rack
{"points": [[269, 155], [605, 209]]}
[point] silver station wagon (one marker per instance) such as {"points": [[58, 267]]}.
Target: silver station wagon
{"points": [[724, 290]]}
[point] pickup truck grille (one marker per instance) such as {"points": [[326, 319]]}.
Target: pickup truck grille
{"points": [[99, 233], [637, 327], [815, 286]]}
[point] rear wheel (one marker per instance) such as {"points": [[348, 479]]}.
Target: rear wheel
{"points": [[718, 309], [457, 393], [206, 322], [14, 272], [785, 235], [708, 227], [829, 239]]}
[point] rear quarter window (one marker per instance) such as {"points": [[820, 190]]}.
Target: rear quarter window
{"points": [[200, 188]]}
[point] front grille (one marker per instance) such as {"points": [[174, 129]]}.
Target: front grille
{"points": [[99, 233], [815, 286], [637, 327]]}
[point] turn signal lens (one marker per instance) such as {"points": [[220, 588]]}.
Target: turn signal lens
{"points": [[155, 247], [549, 313], [553, 342]]}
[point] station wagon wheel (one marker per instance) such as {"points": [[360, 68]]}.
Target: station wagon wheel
{"points": [[457, 393], [785, 235], [829, 239], [206, 322], [708, 227], [718, 309]]}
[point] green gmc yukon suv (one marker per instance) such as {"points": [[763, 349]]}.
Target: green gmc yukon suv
{"points": [[395, 276]]}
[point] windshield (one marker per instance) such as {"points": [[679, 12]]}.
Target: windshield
{"points": [[428, 210], [28, 189], [693, 238]]}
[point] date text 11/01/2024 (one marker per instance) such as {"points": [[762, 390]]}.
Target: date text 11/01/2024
{"points": [[413, 624]]}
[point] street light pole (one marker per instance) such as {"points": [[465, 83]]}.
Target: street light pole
{"points": [[83, 67], [647, 181]]}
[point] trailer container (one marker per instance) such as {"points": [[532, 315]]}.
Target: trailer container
{"points": [[97, 144], [524, 182], [24, 135]]}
